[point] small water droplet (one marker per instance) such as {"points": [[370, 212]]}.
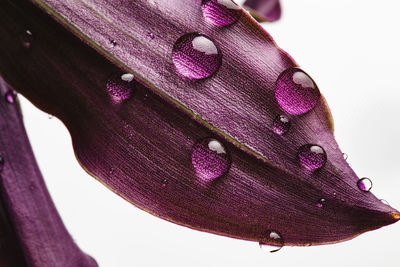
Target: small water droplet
{"points": [[345, 156], [164, 183], [210, 159], [10, 96], [1, 163], [312, 157], [26, 38], [113, 43], [364, 184], [111, 171], [281, 125], [271, 239], [296, 92], [321, 203], [150, 36], [195, 56], [221, 12], [121, 87]]}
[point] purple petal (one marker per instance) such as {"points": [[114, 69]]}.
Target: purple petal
{"points": [[194, 143], [43, 240], [264, 10]]}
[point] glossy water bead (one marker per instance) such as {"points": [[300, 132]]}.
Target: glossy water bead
{"points": [[281, 125], [196, 57], [312, 157], [221, 12], [271, 239], [296, 92], [210, 159], [120, 87], [364, 184]]}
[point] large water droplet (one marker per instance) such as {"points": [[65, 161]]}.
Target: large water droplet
{"points": [[195, 56], [281, 124], [271, 239], [26, 38], [312, 157], [364, 184], [10, 96], [221, 12], [121, 87], [210, 159], [296, 92], [345, 156]]}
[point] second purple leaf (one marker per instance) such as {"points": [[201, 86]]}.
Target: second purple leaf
{"points": [[264, 10]]}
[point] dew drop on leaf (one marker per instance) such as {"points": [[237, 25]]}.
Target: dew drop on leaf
{"points": [[221, 12], [150, 36], [196, 57], [121, 87], [271, 242], [364, 184], [164, 183], [210, 159], [281, 125], [296, 92], [26, 38], [321, 203], [312, 157], [113, 43]]}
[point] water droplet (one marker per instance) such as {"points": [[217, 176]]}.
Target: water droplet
{"points": [[345, 156], [281, 124], [26, 38], [321, 203], [111, 171], [312, 157], [11, 96], [113, 43], [121, 87], [221, 12], [195, 56], [50, 116], [1, 163], [210, 159], [296, 92], [271, 239], [150, 36], [364, 184], [164, 183]]}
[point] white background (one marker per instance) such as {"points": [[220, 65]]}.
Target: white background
{"points": [[351, 49]]}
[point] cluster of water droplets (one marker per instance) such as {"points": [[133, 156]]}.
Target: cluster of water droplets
{"points": [[196, 57]]}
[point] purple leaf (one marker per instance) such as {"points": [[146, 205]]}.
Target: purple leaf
{"points": [[40, 238], [264, 10], [178, 115]]}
